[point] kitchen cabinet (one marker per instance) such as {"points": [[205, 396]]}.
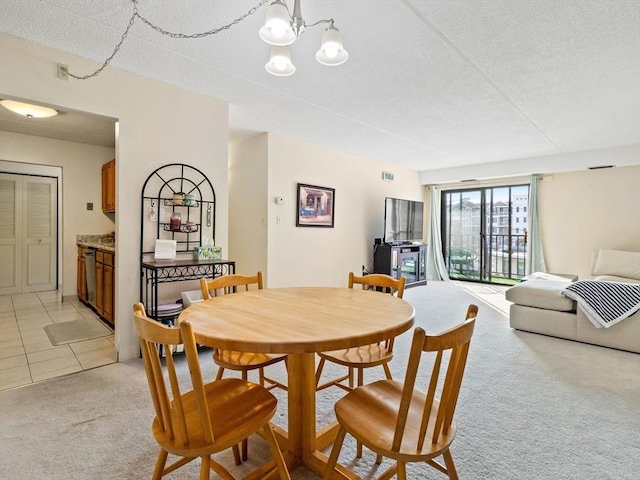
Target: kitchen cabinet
{"points": [[109, 187], [81, 286], [105, 285]]}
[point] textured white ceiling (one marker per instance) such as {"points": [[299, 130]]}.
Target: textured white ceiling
{"points": [[72, 126], [429, 84]]}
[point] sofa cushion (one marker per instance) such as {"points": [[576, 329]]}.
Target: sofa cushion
{"points": [[617, 263], [543, 294]]}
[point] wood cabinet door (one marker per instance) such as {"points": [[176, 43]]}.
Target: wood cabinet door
{"points": [[109, 187], [82, 276], [104, 187], [100, 288], [108, 294]]}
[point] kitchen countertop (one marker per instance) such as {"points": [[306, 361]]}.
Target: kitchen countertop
{"points": [[107, 247]]}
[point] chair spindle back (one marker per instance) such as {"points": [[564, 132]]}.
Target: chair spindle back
{"points": [[230, 283], [170, 413], [456, 342], [380, 282]]}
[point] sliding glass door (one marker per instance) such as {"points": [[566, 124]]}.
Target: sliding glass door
{"points": [[484, 233]]}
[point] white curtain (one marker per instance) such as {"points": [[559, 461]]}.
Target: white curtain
{"points": [[436, 269], [535, 255]]}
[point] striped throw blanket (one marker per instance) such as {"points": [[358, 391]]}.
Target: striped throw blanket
{"points": [[604, 303]]}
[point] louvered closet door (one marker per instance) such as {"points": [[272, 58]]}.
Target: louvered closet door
{"points": [[28, 213]]}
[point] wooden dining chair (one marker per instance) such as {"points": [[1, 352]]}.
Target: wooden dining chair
{"points": [[403, 423], [207, 419], [360, 358], [240, 361]]}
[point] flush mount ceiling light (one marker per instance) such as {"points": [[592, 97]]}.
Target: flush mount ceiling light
{"points": [[28, 110], [281, 28]]}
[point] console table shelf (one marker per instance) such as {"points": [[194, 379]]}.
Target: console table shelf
{"points": [[409, 261], [155, 273]]}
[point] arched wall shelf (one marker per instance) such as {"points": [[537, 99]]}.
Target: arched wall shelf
{"points": [[171, 190]]}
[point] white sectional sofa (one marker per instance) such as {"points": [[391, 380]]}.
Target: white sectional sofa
{"points": [[538, 306]]}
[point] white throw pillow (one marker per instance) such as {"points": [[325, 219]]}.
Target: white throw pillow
{"points": [[618, 263]]}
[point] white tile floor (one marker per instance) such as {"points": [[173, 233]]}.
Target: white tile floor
{"points": [[26, 353]]}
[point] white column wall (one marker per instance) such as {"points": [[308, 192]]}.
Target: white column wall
{"points": [[248, 165]]}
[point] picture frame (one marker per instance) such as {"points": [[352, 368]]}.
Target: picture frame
{"points": [[315, 206]]}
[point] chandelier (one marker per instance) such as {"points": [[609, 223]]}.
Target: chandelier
{"points": [[282, 28]]}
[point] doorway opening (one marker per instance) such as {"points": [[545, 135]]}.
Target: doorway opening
{"points": [[484, 233], [29, 355]]}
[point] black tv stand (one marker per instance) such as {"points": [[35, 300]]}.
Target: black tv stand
{"points": [[406, 259]]}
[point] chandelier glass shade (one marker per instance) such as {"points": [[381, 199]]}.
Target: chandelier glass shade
{"points": [[277, 27], [280, 62], [331, 50], [281, 28]]}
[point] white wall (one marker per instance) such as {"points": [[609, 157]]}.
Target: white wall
{"points": [[587, 210], [248, 165], [324, 256], [81, 183], [158, 124]]}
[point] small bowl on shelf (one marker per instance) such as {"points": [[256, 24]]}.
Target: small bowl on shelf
{"points": [[178, 198], [189, 201]]}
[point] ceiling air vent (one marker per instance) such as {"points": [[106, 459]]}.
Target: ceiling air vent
{"points": [[601, 166]]}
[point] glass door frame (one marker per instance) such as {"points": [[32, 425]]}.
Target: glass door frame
{"points": [[497, 238]]}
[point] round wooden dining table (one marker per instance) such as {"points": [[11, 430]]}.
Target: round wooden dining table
{"points": [[299, 321]]}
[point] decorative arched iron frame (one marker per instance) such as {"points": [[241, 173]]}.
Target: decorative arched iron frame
{"points": [[158, 197]]}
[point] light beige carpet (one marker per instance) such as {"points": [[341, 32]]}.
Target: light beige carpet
{"points": [[76, 331], [531, 407]]}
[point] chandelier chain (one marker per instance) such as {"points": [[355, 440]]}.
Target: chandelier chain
{"points": [[203, 34], [136, 14]]}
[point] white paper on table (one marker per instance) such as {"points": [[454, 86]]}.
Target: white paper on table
{"points": [[165, 250]]}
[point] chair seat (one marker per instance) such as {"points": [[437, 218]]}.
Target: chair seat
{"points": [[233, 360], [235, 406], [365, 356], [370, 413]]}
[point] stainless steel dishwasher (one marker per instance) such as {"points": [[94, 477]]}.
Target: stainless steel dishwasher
{"points": [[90, 261]]}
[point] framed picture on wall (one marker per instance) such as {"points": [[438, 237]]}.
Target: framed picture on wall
{"points": [[315, 206]]}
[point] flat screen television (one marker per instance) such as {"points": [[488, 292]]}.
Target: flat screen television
{"points": [[403, 220]]}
